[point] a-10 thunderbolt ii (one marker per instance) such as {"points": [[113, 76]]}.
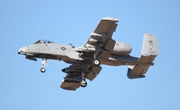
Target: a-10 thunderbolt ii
{"points": [[99, 49]]}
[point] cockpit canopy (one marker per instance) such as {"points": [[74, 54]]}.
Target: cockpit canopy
{"points": [[43, 42]]}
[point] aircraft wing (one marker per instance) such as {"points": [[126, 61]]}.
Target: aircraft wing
{"points": [[101, 38], [76, 73], [100, 41]]}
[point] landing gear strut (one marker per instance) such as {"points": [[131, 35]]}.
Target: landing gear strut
{"points": [[83, 83], [44, 63], [96, 62]]}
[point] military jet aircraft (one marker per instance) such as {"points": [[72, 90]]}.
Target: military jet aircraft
{"points": [[99, 49]]}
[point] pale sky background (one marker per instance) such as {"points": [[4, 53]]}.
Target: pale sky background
{"points": [[24, 87]]}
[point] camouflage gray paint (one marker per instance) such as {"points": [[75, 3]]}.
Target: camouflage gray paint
{"points": [[99, 49]]}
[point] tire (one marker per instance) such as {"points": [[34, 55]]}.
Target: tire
{"points": [[96, 62], [83, 83], [43, 70]]}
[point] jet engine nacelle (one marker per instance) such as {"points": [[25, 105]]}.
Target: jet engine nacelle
{"points": [[121, 48]]}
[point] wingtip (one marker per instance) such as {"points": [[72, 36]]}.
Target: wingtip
{"points": [[148, 34], [110, 19]]}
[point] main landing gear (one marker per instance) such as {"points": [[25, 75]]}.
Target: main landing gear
{"points": [[83, 83], [95, 61], [44, 63]]}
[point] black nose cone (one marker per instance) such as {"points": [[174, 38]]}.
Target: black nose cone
{"points": [[63, 70]]}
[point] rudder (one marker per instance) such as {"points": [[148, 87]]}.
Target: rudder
{"points": [[149, 46]]}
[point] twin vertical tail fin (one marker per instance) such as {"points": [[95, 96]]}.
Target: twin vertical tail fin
{"points": [[149, 53], [149, 47]]}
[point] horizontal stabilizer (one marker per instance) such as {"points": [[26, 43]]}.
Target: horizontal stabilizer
{"points": [[149, 53], [136, 71]]}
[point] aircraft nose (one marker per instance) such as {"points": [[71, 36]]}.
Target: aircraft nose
{"points": [[63, 70], [22, 50]]}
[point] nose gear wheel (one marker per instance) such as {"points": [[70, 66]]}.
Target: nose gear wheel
{"points": [[44, 63], [43, 70]]}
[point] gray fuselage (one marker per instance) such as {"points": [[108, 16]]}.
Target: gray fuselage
{"points": [[70, 54]]}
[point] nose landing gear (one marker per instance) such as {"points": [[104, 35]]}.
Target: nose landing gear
{"points": [[44, 63], [43, 70]]}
